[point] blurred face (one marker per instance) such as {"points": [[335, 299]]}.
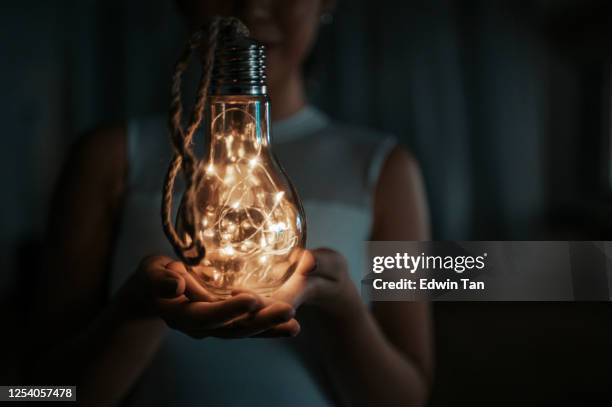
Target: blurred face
{"points": [[286, 27]]}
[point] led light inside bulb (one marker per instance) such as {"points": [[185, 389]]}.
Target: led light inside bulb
{"points": [[248, 218], [278, 227], [228, 251]]}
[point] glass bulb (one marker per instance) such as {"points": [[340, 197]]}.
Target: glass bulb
{"points": [[247, 214]]}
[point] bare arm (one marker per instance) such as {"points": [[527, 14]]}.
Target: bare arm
{"points": [[381, 356], [384, 357]]}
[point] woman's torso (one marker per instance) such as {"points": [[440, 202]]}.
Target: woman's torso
{"points": [[334, 169]]}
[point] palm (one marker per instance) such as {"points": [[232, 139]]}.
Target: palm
{"points": [[295, 289]]}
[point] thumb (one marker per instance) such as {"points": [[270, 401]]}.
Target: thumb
{"points": [[298, 287], [169, 285], [190, 287], [163, 282]]}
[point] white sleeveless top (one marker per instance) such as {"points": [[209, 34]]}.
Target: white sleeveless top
{"points": [[334, 168]]}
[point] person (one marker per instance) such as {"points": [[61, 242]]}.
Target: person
{"points": [[129, 327]]}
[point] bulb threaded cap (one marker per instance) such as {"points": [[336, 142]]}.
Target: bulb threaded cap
{"points": [[239, 67]]}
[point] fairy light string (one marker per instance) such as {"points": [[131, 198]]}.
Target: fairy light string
{"points": [[237, 224], [252, 226]]}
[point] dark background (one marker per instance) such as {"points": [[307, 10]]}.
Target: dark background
{"points": [[505, 104]]}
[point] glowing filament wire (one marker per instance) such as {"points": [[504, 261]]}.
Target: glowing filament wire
{"points": [[250, 219]]}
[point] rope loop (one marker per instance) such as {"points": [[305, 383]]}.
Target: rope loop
{"points": [[205, 40]]}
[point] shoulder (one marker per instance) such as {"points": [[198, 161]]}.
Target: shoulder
{"points": [[400, 204], [366, 147], [400, 167], [392, 177]]}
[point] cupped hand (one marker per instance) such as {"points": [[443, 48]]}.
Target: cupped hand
{"points": [[186, 306], [321, 279]]}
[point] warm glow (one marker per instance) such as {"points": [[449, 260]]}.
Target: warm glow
{"points": [[251, 224]]}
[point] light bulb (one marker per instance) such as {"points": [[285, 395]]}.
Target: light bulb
{"points": [[247, 215]]}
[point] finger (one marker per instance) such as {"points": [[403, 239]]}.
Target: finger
{"points": [[165, 283], [268, 317], [264, 300], [193, 289], [155, 261], [288, 329], [328, 263], [176, 266], [170, 310], [211, 315], [296, 288], [307, 263]]}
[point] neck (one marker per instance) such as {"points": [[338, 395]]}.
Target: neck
{"points": [[287, 98]]}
